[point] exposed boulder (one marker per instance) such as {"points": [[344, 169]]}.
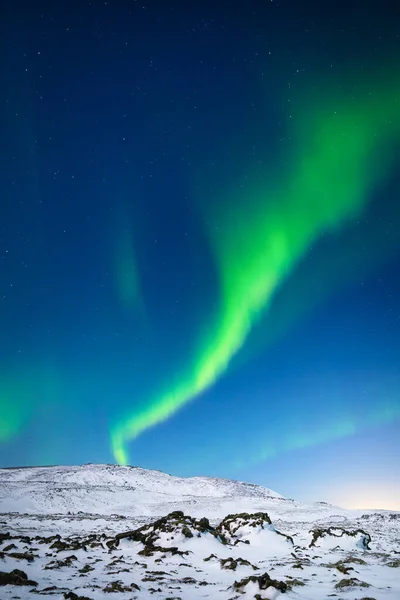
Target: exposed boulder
{"points": [[118, 586], [4, 536], [208, 558], [86, 569], [231, 564], [72, 543], [22, 556], [16, 577], [259, 586], [149, 550], [393, 563], [9, 547], [350, 583], [343, 565], [73, 596], [58, 564]]}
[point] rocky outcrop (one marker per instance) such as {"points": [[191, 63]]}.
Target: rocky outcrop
{"points": [[361, 538], [344, 584], [16, 577], [73, 596], [230, 525], [238, 528], [256, 584], [174, 527], [231, 564], [118, 586]]}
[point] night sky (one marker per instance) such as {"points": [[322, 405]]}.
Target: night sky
{"points": [[200, 240]]}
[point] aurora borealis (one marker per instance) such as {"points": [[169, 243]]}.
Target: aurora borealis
{"points": [[330, 184], [199, 241]]}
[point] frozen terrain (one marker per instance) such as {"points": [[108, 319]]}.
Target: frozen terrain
{"points": [[91, 531]]}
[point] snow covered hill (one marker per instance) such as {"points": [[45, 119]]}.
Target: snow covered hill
{"points": [[130, 491], [83, 533]]}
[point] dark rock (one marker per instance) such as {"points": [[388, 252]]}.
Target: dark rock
{"points": [[263, 581], [186, 532], [231, 564], [175, 523], [9, 547], [59, 545], [25, 539], [73, 543], [20, 573], [153, 578], [187, 580], [86, 569], [150, 550], [16, 577], [73, 596], [47, 540], [157, 572], [204, 523], [4, 536], [210, 557], [339, 532], [342, 565], [231, 523], [352, 582], [117, 586], [58, 564], [22, 556], [295, 583], [393, 563]]}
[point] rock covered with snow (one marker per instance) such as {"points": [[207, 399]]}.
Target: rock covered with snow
{"points": [[256, 529], [260, 587], [175, 528], [338, 537]]}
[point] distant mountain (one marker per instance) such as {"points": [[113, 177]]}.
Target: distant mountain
{"points": [[131, 491]]}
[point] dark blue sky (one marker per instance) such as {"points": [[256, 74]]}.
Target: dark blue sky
{"points": [[132, 131]]}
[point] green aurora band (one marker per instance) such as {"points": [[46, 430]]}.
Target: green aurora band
{"points": [[126, 274], [12, 413], [24, 392], [332, 427], [344, 151]]}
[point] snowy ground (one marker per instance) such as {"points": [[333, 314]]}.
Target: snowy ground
{"points": [[74, 533]]}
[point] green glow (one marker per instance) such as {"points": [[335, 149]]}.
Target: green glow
{"points": [[24, 393], [15, 398], [332, 427], [341, 153], [357, 250], [11, 417], [126, 272]]}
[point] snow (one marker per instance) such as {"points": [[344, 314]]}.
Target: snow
{"points": [[124, 490], [104, 500]]}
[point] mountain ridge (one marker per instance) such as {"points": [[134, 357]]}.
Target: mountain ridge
{"points": [[93, 488]]}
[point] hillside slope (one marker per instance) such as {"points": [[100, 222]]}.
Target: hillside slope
{"points": [[130, 491]]}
